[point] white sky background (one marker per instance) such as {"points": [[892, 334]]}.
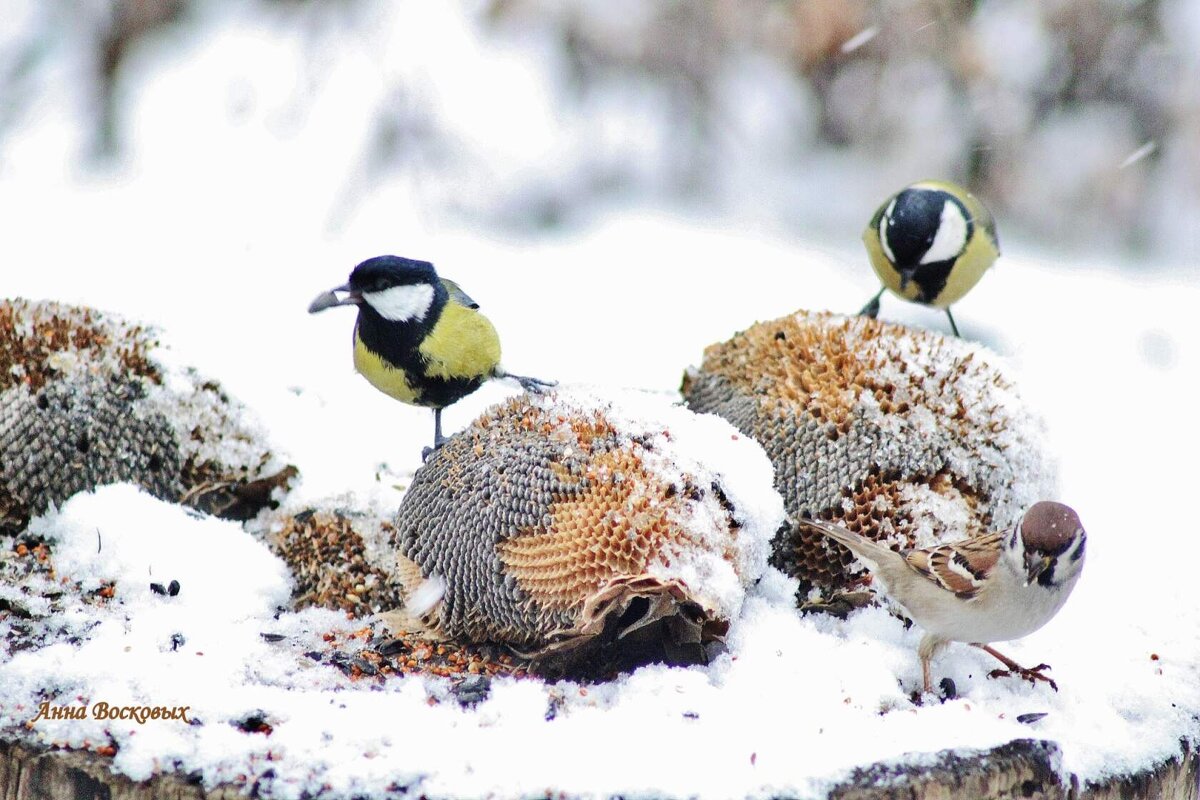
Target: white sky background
{"points": [[230, 213]]}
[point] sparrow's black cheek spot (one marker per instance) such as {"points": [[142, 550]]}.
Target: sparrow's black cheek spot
{"points": [[1046, 579]]}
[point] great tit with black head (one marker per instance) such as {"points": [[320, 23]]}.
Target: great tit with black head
{"points": [[419, 338], [930, 243]]}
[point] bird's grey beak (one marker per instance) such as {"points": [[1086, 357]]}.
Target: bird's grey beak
{"points": [[906, 275], [1034, 567], [330, 299]]}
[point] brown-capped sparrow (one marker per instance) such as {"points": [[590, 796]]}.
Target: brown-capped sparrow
{"points": [[982, 589]]}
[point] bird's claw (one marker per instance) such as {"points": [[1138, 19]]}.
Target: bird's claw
{"points": [[1033, 675], [531, 385], [426, 452], [871, 309], [535, 386]]}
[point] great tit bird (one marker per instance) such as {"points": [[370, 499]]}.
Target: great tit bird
{"points": [[419, 338], [930, 243]]}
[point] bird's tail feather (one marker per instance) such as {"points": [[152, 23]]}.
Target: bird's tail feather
{"points": [[864, 548]]}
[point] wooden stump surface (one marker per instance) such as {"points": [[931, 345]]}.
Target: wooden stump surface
{"points": [[1019, 769]]}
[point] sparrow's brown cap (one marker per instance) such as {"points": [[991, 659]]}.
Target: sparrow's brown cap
{"points": [[1049, 527]]}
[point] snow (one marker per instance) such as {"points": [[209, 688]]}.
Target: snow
{"points": [[223, 227]]}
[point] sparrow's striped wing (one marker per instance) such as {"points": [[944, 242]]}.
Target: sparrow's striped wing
{"points": [[959, 567]]}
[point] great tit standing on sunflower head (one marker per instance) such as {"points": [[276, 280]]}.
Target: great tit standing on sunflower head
{"points": [[930, 243], [419, 338]]}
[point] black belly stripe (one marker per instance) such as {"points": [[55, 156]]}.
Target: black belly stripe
{"points": [[931, 279], [441, 392]]}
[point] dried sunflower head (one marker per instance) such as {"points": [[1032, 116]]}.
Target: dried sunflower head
{"points": [[555, 521], [85, 401]]}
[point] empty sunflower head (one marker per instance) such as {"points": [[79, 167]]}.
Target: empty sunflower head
{"points": [[84, 401], [555, 521]]}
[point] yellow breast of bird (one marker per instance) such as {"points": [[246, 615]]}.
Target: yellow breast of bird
{"points": [[980, 254], [462, 344], [382, 375], [883, 266]]}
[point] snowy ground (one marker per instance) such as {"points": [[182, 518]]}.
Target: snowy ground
{"points": [[219, 234]]}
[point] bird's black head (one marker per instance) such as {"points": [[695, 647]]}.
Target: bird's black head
{"points": [[381, 273], [916, 219], [392, 289]]}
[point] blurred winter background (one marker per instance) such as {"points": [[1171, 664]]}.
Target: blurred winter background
{"points": [[1077, 120]]}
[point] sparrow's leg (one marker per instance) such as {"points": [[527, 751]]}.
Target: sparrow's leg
{"points": [[953, 327], [871, 309], [531, 385], [438, 439], [1013, 668], [929, 647]]}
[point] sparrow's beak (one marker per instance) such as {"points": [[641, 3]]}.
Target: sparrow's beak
{"points": [[1035, 566], [330, 299]]}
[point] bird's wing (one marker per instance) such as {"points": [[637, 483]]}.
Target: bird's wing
{"points": [[984, 219], [960, 567], [457, 295], [461, 344]]}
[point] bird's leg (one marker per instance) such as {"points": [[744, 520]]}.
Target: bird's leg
{"points": [[929, 647], [1013, 668], [438, 439], [953, 327], [531, 385], [871, 309]]}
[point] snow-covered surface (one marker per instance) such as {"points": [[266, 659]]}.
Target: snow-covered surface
{"points": [[219, 231]]}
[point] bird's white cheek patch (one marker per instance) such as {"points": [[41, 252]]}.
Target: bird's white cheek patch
{"points": [[402, 303], [951, 236], [883, 232]]}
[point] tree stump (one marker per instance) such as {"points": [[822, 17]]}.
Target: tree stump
{"points": [[1020, 769]]}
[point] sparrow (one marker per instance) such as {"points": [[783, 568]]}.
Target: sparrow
{"points": [[419, 338], [982, 589]]}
